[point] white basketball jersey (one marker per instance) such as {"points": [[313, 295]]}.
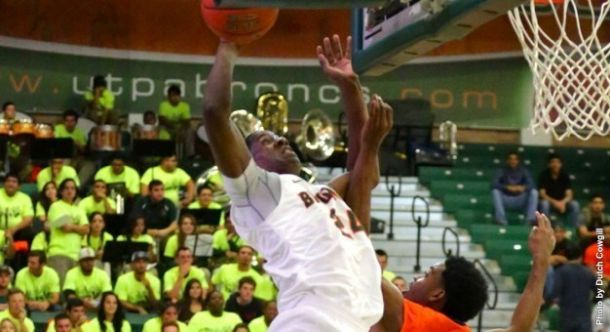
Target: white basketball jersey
{"points": [[316, 247]]}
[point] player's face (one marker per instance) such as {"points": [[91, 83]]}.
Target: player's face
{"points": [[110, 305], [428, 288], [273, 153]]}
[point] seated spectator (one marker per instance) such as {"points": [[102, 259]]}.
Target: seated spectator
{"points": [[100, 103], [573, 286], [117, 173], [16, 311], [170, 327], [9, 112], [138, 290], [136, 232], [5, 282], [261, 324], [98, 201], [193, 300], [56, 172], [159, 212], [46, 197], [400, 283], [382, 258], [110, 316], [187, 225], [243, 301], [265, 287], [6, 325], [513, 188], [556, 191], [559, 255], [167, 315], [226, 242], [16, 211], [68, 129], [87, 281], [591, 218], [68, 224], [40, 283], [591, 258], [97, 237], [204, 201], [150, 118], [215, 315], [175, 115], [227, 276], [176, 278], [241, 327], [41, 241], [75, 310], [62, 323], [173, 177]]}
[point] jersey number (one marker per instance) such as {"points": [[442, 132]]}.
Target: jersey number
{"points": [[354, 224]]}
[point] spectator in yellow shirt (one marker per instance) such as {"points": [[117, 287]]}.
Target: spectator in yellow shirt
{"points": [[173, 179], [175, 115], [98, 201], [57, 172], [100, 103], [68, 129], [261, 324], [16, 312], [16, 210]]}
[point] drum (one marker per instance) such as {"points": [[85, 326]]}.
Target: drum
{"points": [[5, 127], [106, 138], [43, 130], [147, 132], [23, 127]]}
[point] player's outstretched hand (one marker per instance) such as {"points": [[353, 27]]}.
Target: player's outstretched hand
{"points": [[379, 124], [336, 62], [541, 239]]}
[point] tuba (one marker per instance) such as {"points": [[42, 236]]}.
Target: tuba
{"points": [[272, 109], [246, 123], [317, 138], [447, 132]]}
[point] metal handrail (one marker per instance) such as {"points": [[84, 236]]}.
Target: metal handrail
{"points": [[446, 251], [495, 292], [394, 191], [418, 222]]}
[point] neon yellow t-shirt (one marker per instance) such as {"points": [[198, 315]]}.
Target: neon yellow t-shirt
{"points": [[89, 205], [78, 136], [172, 182], [155, 325], [144, 238], [62, 243], [204, 321], [96, 242], [38, 288], [29, 324], [106, 99], [67, 172], [227, 278], [212, 206], [389, 276], [258, 324], [40, 242], [14, 209], [265, 288], [129, 289], [2, 244], [91, 286], [220, 241], [175, 114], [85, 327], [129, 177], [171, 246], [170, 277], [40, 212], [94, 326], [164, 134]]}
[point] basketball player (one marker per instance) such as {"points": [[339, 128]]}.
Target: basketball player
{"points": [[317, 251], [452, 293]]}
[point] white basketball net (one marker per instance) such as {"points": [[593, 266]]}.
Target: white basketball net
{"points": [[570, 70]]}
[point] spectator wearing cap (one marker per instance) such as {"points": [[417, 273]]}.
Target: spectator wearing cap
{"points": [[98, 201], [176, 278], [556, 193], [5, 283], [138, 290], [87, 281], [173, 178], [39, 282], [227, 276], [169, 315], [16, 311], [159, 212], [243, 301], [117, 173], [100, 103], [75, 309], [215, 315], [56, 172], [62, 323], [16, 213], [68, 129], [261, 324]]}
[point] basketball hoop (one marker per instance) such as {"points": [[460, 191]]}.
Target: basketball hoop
{"points": [[570, 65]]}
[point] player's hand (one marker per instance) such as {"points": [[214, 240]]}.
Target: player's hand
{"points": [[335, 62], [379, 124], [541, 239]]}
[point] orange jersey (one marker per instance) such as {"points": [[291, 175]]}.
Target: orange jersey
{"points": [[418, 318]]}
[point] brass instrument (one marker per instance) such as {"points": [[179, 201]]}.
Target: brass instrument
{"points": [[317, 138], [272, 109], [447, 133], [246, 122]]}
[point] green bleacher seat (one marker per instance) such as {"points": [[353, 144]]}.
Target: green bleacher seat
{"points": [[467, 217], [520, 279], [455, 202], [428, 174], [495, 248], [30, 189], [483, 232], [513, 264], [444, 187]]}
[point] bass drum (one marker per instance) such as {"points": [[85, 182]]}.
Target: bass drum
{"points": [[23, 127], [105, 138], [43, 130]]}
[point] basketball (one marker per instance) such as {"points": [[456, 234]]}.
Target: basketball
{"points": [[239, 25]]}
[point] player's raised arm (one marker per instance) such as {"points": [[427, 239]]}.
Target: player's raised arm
{"points": [[228, 147]]}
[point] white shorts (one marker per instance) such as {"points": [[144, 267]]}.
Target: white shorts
{"points": [[316, 318]]}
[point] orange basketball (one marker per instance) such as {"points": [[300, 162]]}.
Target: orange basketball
{"points": [[239, 25]]}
